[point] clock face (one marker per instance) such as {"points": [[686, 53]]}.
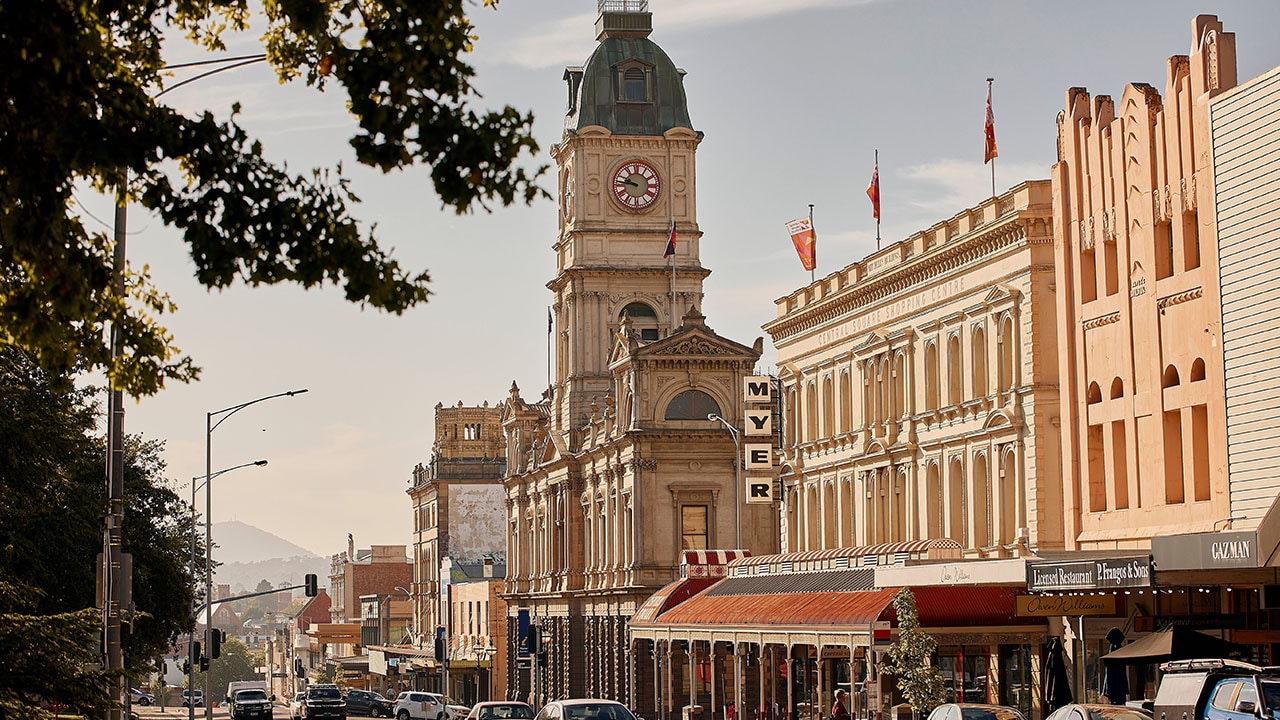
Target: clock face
{"points": [[636, 185]]}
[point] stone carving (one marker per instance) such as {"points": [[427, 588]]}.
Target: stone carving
{"points": [[696, 346]]}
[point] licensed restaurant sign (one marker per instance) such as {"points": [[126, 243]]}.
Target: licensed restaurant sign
{"points": [[1098, 574]]}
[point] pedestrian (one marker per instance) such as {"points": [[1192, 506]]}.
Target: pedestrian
{"points": [[840, 709]]}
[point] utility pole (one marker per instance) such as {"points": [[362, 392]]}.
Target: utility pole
{"points": [[114, 583]]}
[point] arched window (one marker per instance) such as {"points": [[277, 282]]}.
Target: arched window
{"points": [[846, 402], [634, 86], [1197, 370], [955, 381], [692, 405], [1008, 356], [811, 412], [979, 363], [643, 319], [1093, 394], [932, 383], [828, 408]]}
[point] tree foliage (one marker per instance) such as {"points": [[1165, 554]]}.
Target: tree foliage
{"points": [[235, 663], [910, 657], [82, 81], [52, 498]]}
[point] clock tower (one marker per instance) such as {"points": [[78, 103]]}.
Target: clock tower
{"points": [[626, 184]]}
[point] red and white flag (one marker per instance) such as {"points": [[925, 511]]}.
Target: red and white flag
{"points": [[873, 191], [990, 131], [671, 241]]}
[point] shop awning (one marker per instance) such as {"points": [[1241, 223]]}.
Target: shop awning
{"points": [[670, 596], [1174, 643]]}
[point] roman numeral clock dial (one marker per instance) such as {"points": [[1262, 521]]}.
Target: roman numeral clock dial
{"points": [[636, 185]]}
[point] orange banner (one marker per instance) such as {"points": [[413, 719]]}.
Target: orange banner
{"points": [[806, 242]]}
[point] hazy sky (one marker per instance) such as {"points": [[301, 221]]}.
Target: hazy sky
{"points": [[793, 95]]}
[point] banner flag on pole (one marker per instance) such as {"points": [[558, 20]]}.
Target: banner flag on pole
{"points": [[990, 131], [671, 241], [873, 191], [805, 240]]}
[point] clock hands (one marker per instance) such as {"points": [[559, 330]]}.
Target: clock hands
{"points": [[630, 182]]}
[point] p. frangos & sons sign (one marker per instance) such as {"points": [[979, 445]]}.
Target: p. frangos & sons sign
{"points": [[1089, 574]]}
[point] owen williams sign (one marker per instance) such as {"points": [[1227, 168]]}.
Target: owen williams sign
{"points": [[1089, 574]]}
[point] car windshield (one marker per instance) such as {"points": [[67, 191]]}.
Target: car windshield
{"points": [[324, 693], [596, 711], [515, 711], [1271, 695], [244, 695], [973, 713]]}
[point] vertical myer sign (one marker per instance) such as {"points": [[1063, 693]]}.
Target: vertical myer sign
{"points": [[757, 394]]}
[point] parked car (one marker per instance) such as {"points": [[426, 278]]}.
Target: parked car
{"points": [[323, 700], [366, 702], [1217, 690], [1099, 712], [250, 704], [141, 697], [970, 711], [190, 697], [584, 710], [500, 711], [414, 705], [295, 706], [453, 710]]}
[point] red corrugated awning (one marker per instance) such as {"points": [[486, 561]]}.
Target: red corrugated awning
{"points": [[939, 607], [668, 597]]}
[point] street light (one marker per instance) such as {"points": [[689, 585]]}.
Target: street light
{"points": [[737, 475], [482, 653], [209, 427], [191, 707]]}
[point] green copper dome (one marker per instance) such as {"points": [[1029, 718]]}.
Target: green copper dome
{"points": [[629, 86]]}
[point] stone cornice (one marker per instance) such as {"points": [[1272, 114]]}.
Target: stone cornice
{"points": [[986, 242]]}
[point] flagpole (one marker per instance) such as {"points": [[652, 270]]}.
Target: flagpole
{"points": [[877, 166], [815, 244], [993, 160], [673, 276]]}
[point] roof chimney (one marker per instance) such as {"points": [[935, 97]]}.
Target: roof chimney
{"points": [[623, 18]]}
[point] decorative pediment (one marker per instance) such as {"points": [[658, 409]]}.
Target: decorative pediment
{"points": [[1000, 294], [694, 338]]}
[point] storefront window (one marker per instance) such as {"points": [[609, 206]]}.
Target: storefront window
{"points": [[1015, 677], [964, 672]]}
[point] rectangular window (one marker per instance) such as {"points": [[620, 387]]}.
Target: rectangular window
{"points": [[693, 527]]}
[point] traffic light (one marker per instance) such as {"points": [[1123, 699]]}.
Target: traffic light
{"points": [[195, 650], [216, 638], [439, 649], [186, 667], [298, 670], [204, 664], [312, 589]]}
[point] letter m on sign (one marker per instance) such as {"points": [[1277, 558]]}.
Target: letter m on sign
{"points": [[757, 389]]}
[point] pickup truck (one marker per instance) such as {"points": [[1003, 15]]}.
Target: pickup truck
{"points": [[1216, 690]]}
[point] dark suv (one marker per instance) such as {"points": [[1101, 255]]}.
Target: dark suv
{"points": [[365, 702], [323, 701], [1217, 690], [251, 704]]}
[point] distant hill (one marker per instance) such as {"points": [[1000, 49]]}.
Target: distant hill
{"points": [[237, 542], [249, 555]]}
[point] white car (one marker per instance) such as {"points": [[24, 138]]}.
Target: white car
{"points": [[415, 705], [295, 706], [452, 709], [584, 710], [140, 697]]}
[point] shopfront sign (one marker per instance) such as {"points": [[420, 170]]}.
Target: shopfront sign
{"points": [[378, 662], [1065, 605], [1206, 551], [1101, 573]]}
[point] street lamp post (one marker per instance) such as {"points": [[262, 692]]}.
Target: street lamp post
{"points": [[191, 706], [209, 427], [482, 653], [737, 475]]}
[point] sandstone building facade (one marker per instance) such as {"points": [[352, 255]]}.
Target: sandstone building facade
{"points": [[458, 508], [1143, 416], [920, 389], [617, 468]]}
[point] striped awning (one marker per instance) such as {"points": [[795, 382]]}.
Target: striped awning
{"points": [[709, 563], [831, 558]]}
